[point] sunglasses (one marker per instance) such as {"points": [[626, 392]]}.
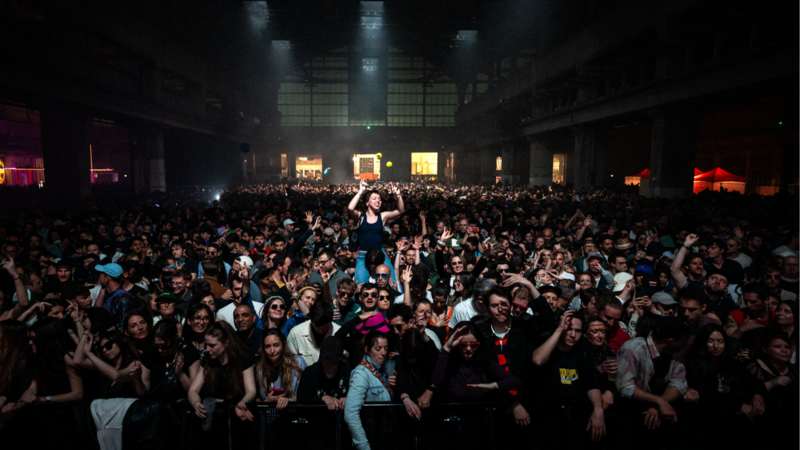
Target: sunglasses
{"points": [[469, 345], [456, 263], [384, 297], [108, 345], [381, 276], [518, 306], [369, 294], [277, 306], [502, 270], [398, 327], [162, 346]]}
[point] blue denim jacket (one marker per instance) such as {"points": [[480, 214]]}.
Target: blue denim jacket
{"points": [[364, 387]]}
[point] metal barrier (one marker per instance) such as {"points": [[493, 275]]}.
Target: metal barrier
{"points": [[387, 426]]}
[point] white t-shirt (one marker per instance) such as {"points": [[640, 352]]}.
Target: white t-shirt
{"points": [[462, 313], [399, 298], [784, 248], [434, 338], [226, 313], [744, 260]]}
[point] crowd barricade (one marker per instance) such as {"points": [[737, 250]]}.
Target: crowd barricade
{"points": [[388, 427], [484, 426]]}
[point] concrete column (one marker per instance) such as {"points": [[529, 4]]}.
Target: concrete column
{"points": [[541, 173], [673, 152], [65, 150], [589, 160], [488, 166], [147, 154], [509, 173]]}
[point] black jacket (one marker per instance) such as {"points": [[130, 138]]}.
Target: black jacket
{"points": [[522, 336], [314, 384]]}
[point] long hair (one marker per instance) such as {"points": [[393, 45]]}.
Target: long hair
{"points": [[468, 283], [148, 319], [118, 338], [700, 365], [14, 341], [52, 343], [369, 340], [267, 374], [480, 362], [233, 374], [268, 305]]}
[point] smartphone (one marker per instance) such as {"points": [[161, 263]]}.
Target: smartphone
{"points": [[476, 230], [277, 392]]}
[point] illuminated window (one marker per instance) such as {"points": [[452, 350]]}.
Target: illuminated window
{"points": [[499, 163], [424, 165], [366, 167], [559, 168], [308, 168]]}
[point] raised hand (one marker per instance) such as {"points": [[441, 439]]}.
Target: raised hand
{"points": [[587, 222], [691, 240], [362, 186], [309, 217], [406, 275]]}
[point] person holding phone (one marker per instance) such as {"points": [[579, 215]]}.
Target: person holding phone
{"points": [[278, 371]]}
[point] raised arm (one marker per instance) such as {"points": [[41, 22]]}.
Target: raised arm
{"points": [[400, 205], [542, 354], [351, 207], [424, 226], [675, 269]]}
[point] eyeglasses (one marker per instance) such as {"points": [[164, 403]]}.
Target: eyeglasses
{"points": [[202, 319], [381, 276], [369, 294], [323, 261], [108, 345], [469, 345], [277, 306]]}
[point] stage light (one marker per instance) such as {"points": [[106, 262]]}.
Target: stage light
{"points": [[369, 128], [218, 195]]}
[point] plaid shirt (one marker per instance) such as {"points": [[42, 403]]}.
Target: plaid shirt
{"points": [[636, 367]]}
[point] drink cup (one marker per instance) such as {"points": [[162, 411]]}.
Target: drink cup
{"points": [[210, 404], [612, 376]]}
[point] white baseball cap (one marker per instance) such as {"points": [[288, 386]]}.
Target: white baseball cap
{"points": [[620, 280]]}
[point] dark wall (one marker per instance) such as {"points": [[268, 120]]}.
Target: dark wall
{"points": [[192, 158], [627, 152]]}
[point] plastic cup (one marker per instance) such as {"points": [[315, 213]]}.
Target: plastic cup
{"points": [[611, 376], [210, 404]]}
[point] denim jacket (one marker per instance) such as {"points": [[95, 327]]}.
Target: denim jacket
{"points": [[364, 387]]}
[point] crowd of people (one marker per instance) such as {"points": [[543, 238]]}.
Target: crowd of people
{"points": [[590, 316]]}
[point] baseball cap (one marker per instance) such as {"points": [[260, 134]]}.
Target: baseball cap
{"points": [[595, 255], [112, 269], [620, 279], [329, 231], [553, 289], [167, 297], [663, 298], [288, 222], [331, 350], [644, 268], [242, 260], [714, 271], [671, 327]]}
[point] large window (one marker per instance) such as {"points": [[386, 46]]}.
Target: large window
{"points": [[397, 89], [424, 165]]}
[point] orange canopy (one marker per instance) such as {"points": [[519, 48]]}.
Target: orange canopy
{"points": [[719, 176], [643, 174]]}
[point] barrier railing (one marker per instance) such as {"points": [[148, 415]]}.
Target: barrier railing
{"points": [[387, 426]]}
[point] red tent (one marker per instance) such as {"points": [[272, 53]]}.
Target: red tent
{"points": [[719, 176], [697, 171], [643, 174]]}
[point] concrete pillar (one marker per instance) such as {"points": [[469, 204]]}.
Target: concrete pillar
{"points": [[65, 150], [673, 151], [488, 166], [541, 173], [589, 159], [147, 155], [509, 171]]}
